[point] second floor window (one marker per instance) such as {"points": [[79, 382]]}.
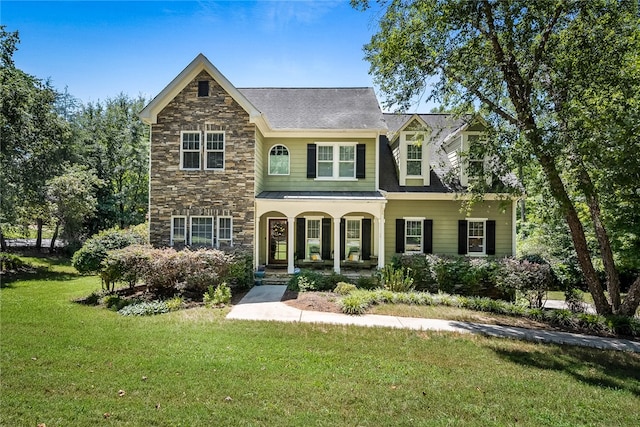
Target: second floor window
{"points": [[414, 159], [190, 150], [215, 150], [336, 161], [279, 160]]}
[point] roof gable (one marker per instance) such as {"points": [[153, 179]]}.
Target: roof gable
{"points": [[149, 114]]}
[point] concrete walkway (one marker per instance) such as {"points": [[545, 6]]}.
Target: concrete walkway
{"points": [[264, 303]]}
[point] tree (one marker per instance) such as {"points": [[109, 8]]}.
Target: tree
{"points": [[72, 199], [111, 139], [537, 69], [33, 140]]}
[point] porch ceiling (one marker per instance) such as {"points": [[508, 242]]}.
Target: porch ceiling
{"points": [[334, 203]]}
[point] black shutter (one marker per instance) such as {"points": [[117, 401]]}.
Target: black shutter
{"points": [[311, 160], [491, 237], [427, 230], [342, 239], [360, 160], [300, 234], [326, 238], [462, 237], [366, 239], [399, 236]]}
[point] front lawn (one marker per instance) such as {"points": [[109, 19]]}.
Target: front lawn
{"points": [[63, 363]]}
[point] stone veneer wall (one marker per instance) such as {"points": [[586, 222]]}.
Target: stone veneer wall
{"points": [[204, 192]]}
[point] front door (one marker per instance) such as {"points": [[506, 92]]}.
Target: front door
{"points": [[278, 241]]}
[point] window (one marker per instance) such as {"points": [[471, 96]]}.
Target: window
{"points": [[313, 248], [476, 236], [279, 160], [201, 231], [214, 150], [413, 236], [179, 230], [336, 161], [190, 150], [225, 228], [352, 239], [414, 154], [476, 159], [203, 88]]}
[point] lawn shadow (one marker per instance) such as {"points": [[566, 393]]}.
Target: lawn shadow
{"points": [[35, 273], [605, 369]]}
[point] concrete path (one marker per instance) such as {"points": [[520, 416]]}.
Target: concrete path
{"points": [[264, 303]]}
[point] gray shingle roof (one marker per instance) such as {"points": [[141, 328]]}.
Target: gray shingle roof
{"points": [[317, 108]]}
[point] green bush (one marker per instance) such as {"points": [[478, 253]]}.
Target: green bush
{"points": [[218, 296], [309, 281], [174, 303], [88, 259], [366, 282], [10, 262], [344, 288], [240, 271], [396, 279], [355, 303], [145, 309], [525, 278], [419, 267]]}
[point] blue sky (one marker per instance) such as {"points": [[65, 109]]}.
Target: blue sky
{"points": [[99, 49]]}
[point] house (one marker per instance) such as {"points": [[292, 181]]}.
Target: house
{"points": [[315, 176]]}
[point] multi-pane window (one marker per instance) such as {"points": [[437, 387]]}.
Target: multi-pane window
{"points": [[336, 161], [347, 164], [179, 230], [414, 159], [352, 239], [313, 240], [413, 236], [476, 160], [214, 150], [476, 237], [279, 160], [325, 161], [201, 231], [224, 228], [190, 150]]}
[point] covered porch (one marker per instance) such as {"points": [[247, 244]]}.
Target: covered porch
{"points": [[323, 230]]}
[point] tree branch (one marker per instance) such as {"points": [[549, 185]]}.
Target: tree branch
{"points": [[544, 38]]}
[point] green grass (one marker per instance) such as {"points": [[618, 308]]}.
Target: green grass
{"points": [[64, 364], [559, 295]]}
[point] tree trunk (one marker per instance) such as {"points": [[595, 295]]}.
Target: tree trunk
{"points": [[632, 300], [39, 234], [3, 243], [52, 247]]}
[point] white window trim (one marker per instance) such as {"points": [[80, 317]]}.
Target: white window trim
{"points": [[205, 150], [464, 154], [182, 150], [186, 229], [336, 161], [220, 239], [288, 160], [213, 228], [306, 235], [421, 221], [402, 164], [484, 237]]}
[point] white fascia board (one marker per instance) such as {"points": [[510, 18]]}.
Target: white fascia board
{"points": [[268, 132], [445, 196], [149, 114], [404, 126]]}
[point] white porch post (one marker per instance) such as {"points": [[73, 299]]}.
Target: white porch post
{"points": [[290, 247], [256, 244], [336, 245], [381, 242]]}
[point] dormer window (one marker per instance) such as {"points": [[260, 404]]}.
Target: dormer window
{"points": [[476, 161], [203, 88], [413, 163]]}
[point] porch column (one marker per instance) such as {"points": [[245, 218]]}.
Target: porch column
{"points": [[256, 245], [290, 247], [336, 245], [381, 242]]}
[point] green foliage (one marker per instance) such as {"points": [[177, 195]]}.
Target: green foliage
{"points": [[145, 308], [89, 258], [529, 279], [218, 296], [309, 281], [175, 303], [344, 288], [396, 279], [10, 262], [420, 268], [239, 274], [355, 303]]}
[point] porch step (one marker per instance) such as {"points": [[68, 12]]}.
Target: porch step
{"points": [[275, 278]]}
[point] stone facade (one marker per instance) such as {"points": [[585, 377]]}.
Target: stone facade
{"points": [[212, 193]]}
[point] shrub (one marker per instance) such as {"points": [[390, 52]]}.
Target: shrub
{"points": [[366, 282], [174, 303], [10, 262], [308, 281], [575, 300], [88, 259], [126, 265], [344, 288], [522, 277], [355, 303], [145, 309], [218, 296], [396, 279], [419, 267], [239, 274]]}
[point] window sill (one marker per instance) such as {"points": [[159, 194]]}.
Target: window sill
{"points": [[335, 179]]}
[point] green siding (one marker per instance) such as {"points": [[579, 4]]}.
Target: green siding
{"points": [[297, 179], [445, 215]]}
